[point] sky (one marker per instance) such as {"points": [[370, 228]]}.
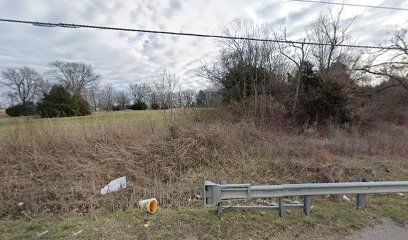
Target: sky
{"points": [[122, 57]]}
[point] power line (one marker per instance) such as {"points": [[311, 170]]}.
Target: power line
{"points": [[76, 26], [353, 5]]}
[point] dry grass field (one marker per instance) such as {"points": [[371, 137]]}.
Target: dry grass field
{"points": [[56, 168]]}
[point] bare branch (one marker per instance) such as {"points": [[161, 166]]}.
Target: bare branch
{"points": [[75, 77], [22, 83]]}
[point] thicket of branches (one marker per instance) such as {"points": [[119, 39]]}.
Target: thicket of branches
{"points": [[303, 84]]}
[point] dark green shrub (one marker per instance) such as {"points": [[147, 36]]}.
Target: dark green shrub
{"points": [[201, 99], [117, 108], [139, 106], [27, 109], [83, 106], [320, 100], [59, 103]]}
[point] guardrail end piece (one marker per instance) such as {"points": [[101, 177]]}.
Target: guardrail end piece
{"points": [[212, 193]]}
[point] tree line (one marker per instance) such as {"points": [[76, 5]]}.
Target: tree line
{"points": [[74, 89]]}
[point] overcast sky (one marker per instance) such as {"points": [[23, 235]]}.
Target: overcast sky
{"points": [[122, 58]]}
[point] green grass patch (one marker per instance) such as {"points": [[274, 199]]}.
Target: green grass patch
{"points": [[150, 118], [329, 218]]}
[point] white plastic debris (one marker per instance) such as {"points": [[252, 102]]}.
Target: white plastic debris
{"points": [[114, 185], [43, 233], [346, 198], [77, 233], [20, 204]]}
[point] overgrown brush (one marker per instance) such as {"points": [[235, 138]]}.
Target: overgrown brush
{"points": [[61, 169]]}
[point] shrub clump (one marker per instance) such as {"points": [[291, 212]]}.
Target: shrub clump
{"points": [[59, 103], [320, 100], [27, 109], [139, 106]]}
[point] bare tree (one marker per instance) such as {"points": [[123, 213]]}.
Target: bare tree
{"points": [[245, 68], [121, 100], [75, 77], [297, 53], [91, 94], [106, 97], [154, 100], [139, 92], [328, 30], [22, 83], [44, 86], [166, 88], [188, 97], [248, 73], [159, 93], [391, 64], [331, 31]]}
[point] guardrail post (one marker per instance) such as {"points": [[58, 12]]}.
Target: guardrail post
{"points": [[281, 208], [361, 197], [219, 205], [306, 205]]}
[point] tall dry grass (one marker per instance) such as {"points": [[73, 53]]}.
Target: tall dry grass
{"points": [[61, 169]]}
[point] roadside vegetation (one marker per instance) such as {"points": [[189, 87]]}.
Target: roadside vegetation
{"points": [[57, 170], [276, 114]]}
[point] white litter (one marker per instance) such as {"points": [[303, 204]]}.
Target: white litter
{"points": [[346, 198], [20, 204], [114, 185], [77, 233], [43, 233]]}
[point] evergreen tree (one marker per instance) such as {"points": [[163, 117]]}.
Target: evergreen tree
{"points": [[59, 103], [320, 101], [201, 99]]}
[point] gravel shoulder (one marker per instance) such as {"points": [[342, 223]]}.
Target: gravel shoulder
{"points": [[385, 230]]}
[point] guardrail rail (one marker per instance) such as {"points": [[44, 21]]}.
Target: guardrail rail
{"points": [[218, 194]]}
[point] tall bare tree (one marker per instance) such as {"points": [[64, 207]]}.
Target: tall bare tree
{"points": [[22, 83], [296, 53], [75, 77], [106, 97], [330, 30], [165, 89], [91, 94], [248, 72]]}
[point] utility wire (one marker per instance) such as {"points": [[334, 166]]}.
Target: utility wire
{"points": [[352, 5], [68, 25]]}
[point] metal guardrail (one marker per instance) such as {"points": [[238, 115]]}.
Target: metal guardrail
{"points": [[218, 194]]}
